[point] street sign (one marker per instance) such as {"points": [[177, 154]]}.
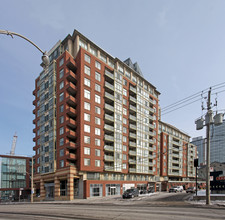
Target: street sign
{"points": [[220, 178], [211, 178], [211, 169]]}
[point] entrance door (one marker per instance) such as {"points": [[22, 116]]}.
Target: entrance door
{"points": [[112, 191], [49, 191]]}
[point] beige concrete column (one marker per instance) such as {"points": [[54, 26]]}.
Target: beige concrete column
{"points": [[70, 187], [57, 188], [42, 189]]}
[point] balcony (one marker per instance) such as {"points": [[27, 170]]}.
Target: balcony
{"points": [[71, 134], [71, 76], [71, 156], [151, 126], [110, 75], [132, 135], [133, 118], [109, 137], [133, 127], [109, 107], [108, 127], [109, 118], [150, 164], [109, 86], [150, 156], [132, 161], [132, 153], [70, 100], [132, 144], [175, 167], [108, 158], [150, 171], [132, 170], [70, 63], [71, 88], [133, 108], [151, 110], [151, 117], [71, 123], [132, 99], [109, 96], [109, 148], [151, 141], [108, 168], [71, 145], [134, 90], [151, 133], [70, 111]]}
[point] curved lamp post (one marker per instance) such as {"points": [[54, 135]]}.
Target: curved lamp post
{"points": [[44, 57]]}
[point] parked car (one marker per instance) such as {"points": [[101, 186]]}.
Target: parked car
{"points": [[131, 193], [190, 190], [173, 189], [180, 188]]}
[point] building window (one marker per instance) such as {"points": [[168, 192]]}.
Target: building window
{"points": [[97, 110], [97, 65], [61, 96], [124, 166], [97, 153], [87, 117], [97, 163], [61, 62], [124, 157], [97, 142], [61, 153], [87, 162], [87, 70], [124, 139], [87, 94], [61, 73], [97, 99], [87, 151], [61, 108], [124, 101], [61, 85], [83, 44], [97, 121], [61, 131], [87, 139], [61, 119], [95, 190], [124, 111], [87, 58], [98, 76], [124, 130], [87, 82], [61, 141], [124, 92], [125, 121], [97, 87], [87, 128], [97, 131], [87, 106], [61, 163], [124, 148], [93, 51]]}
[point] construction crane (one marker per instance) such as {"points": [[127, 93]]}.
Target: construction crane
{"points": [[13, 148]]}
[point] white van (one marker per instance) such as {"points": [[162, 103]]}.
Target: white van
{"points": [[180, 188]]}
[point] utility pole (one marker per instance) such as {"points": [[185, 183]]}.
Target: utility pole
{"points": [[32, 181], [209, 115]]}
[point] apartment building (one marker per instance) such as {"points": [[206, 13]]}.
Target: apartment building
{"points": [[177, 156], [14, 177], [201, 143], [96, 124]]}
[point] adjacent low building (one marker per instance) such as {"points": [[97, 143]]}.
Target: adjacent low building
{"points": [[14, 177]]}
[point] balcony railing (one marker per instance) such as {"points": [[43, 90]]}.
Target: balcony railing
{"points": [[109, 127], [109, 148], [107, 95], [109, 137], [109, 107], [107, 73], [108, 85], [108, 158], [109, 117], [132, 153]]}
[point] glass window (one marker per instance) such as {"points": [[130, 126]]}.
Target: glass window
{"points": [[97, 153], [124, 148], [93, 51], [97, 142], [87, 162], [124, 92], [61, 153], [97, 131], [87, 151], [124, 156], [87, 94], [61, 73], [61, 131], [61, 163], [87, 128], [87, 82], [61, 119], [61, 108], [97, 121], [97, 87], [124, 111], [87, 70], [61, 85], [97, 163], [97, 99], [95, 190], [61, 141], [97, 110], [61, 96], [61, 62], [87, 117], [125, 121], [87, 139], [98, 76], [83, 44], [97, 65], [87, 58], [124, 101], [124, 166], [87, 106]]}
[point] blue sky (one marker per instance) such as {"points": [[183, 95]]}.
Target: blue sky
{"points": [[179, 46]]}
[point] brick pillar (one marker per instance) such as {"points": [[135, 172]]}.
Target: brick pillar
{"points": [[70, 187], [42, 190], [57, 188]]}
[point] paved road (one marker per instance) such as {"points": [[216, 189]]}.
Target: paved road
{"points": [[161, 206]]}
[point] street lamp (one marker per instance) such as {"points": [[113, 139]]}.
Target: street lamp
{"points": [[44, 57]]}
